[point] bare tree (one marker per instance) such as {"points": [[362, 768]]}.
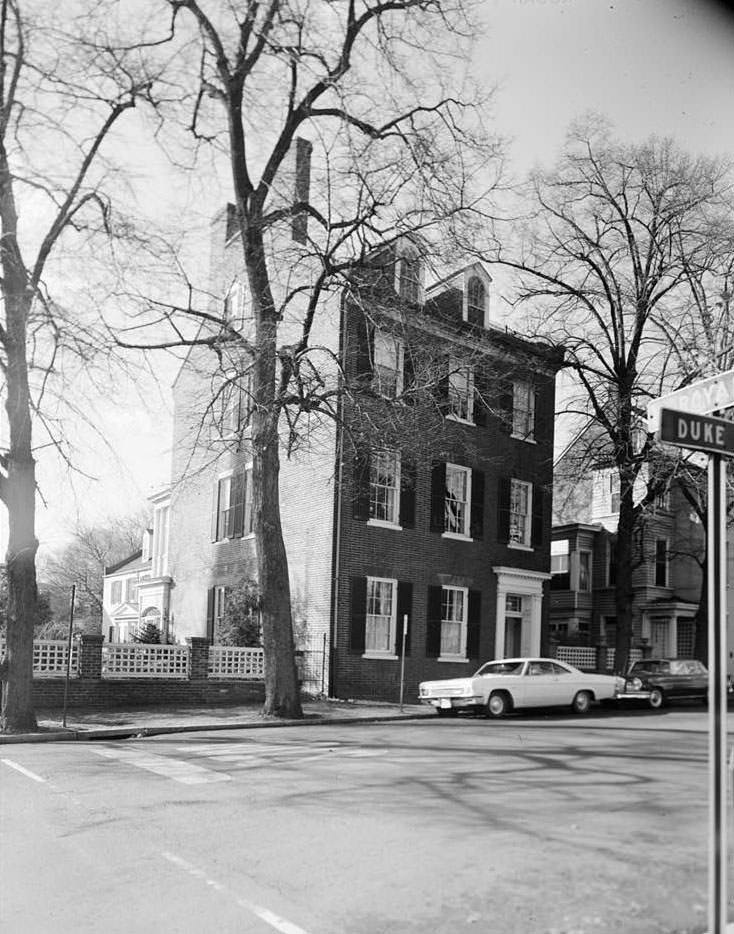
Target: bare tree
{"points": [[61, 100], [614, 234], [355, 90]]}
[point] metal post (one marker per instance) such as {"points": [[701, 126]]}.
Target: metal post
{"points": [[402, 660], [717, 696], [323, 664], [68, 650]]}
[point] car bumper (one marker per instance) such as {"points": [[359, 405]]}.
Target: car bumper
{"points": [[451, 703], [633, 695]]}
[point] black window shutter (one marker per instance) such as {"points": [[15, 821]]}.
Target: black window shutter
{"points": [[364, 355], [210, 614], [358, 614], [477, 504], [362, 487], [409, 383], [433, 623], [247, 511], [503, 509], [473, 623], [505, 405], [442, 391], [536, 531], [438, 497], [407, 494], [540, 424], [481, 398], [405, 608]]}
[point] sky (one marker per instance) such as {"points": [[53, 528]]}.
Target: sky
{"points": [[663, 67]]}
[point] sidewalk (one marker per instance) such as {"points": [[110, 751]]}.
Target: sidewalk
{"points": [[85, 724]]}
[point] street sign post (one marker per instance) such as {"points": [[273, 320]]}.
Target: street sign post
{"points": [[688, 425], [713, 394]]}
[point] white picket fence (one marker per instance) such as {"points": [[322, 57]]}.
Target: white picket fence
{"points": [[236, 662], [142, 660], [50, 657]]}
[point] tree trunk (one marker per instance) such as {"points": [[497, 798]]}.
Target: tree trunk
{"points": [[19, 495], [623, 587], [282, 695]]}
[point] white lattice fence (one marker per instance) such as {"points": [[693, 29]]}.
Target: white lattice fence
{"points": [[135, 660], [234, 661], [50, 656], [580, 656]]}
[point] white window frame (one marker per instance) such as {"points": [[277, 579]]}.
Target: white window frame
{"points": [[390, 348], [560, 548], [222, 513], [461, 392], [392, 519], [391, 619], [614, 492], [524, 541], [445, 656], [464, 532], [523, 411], [116, 585], [234, 304], [409, 287]]}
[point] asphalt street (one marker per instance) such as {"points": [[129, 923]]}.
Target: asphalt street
{"points": [[537, 824]]}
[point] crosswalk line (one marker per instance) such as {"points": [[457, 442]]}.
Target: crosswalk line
{"points": [[187, 773]]}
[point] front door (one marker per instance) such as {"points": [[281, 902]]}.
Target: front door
{"points": [[513, 636], [659, 631]]}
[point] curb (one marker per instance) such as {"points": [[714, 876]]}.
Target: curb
{"points": [[142, 731]]}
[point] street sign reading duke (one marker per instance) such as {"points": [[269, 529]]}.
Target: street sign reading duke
{"points": [[700, 432], [707, 395]]}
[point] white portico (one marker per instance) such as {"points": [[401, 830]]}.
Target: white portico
{"points": [[519, 611]]}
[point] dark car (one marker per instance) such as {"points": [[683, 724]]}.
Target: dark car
{"points": [[659, 680]]}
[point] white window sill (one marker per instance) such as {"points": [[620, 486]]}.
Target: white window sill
{"points": [[457, 537], [461, 421], [384, 524], [454, 658], [523, 438], [518, 547], [380, 656]]}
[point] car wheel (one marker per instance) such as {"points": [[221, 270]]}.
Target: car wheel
{"points": [[446, 711], [656, 699], [498, 704], [582, 702]]}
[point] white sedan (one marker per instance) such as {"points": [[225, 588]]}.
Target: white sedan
{"points": [[513, 683]]}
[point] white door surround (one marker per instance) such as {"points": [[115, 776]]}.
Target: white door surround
{"points": [[529, 586]]}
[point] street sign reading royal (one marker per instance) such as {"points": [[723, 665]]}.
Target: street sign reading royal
{"points": [[707, 395], [699, 432]]}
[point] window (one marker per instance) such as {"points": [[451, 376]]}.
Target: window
{"points": [[232, 516], [520, 516], [476, 301], [116, 593], [457, 503], [385, 487], [614, 491], [234, 305], [388, 364], [560, 571], [410, 277], [131, 590], [381, 613], [559, 630], [585, 570], [611, 562], [661, 562], [662, 500], [461, 391], [453, 622], [523, 411]]}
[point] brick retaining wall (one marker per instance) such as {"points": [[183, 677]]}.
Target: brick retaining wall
{"points": [[85, 692]]}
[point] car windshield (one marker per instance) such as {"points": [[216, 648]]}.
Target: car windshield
{"points": [[655, 666], [501, 668]]}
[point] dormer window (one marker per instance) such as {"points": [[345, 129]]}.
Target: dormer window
{"points": [[476, 301], [409, 276]]}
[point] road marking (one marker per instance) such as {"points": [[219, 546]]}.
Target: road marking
{"points": [[265, 914], [23, 771], [179, 771]]}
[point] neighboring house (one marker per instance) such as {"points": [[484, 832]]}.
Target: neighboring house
{"points": [[666, 578], [136, 590], [455, 538]]}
